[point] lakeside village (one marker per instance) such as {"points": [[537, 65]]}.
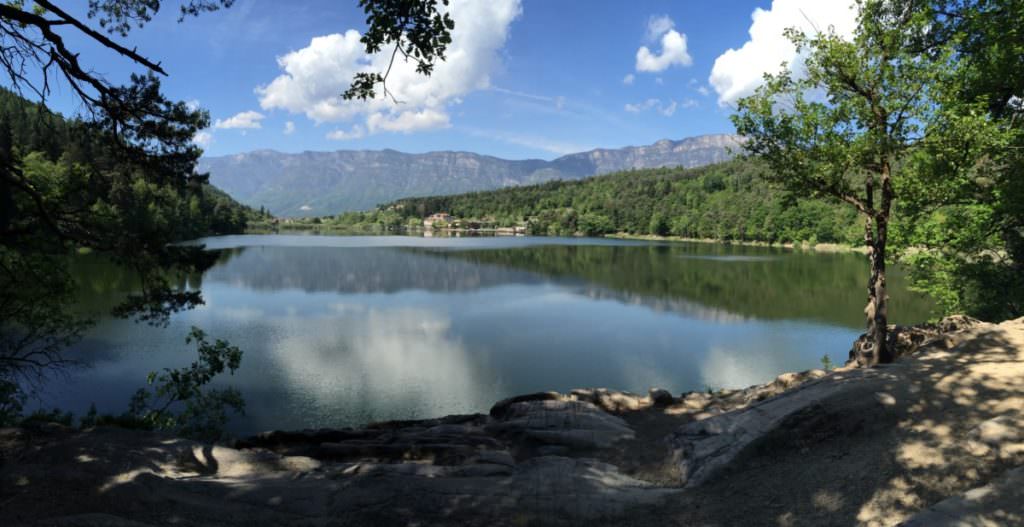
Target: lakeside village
{"points": [[440, 223]]}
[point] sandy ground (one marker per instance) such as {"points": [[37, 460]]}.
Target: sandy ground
{"points": [[898, 440], [855, 447]]}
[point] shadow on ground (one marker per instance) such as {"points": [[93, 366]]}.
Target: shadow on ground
{"points": [[858, 447]]}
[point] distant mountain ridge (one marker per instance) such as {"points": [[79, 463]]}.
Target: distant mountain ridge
{"points": [[320, 183]]}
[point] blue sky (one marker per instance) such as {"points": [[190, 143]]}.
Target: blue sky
{"points": [[525, 78]]}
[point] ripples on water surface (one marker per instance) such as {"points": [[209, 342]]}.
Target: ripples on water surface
{"points": [[340, 331]]}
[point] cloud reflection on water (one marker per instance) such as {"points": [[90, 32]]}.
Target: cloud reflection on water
{"points": [[404, 361]]}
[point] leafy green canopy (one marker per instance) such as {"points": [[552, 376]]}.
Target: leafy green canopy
{"points": [[879, 122], [418, 30], [179, 399], [968, 215]]}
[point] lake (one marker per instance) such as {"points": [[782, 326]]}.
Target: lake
{"points": [[341, 331]]}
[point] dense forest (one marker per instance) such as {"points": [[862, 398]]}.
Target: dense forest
{"points": [[62, 152], [727, 201]]}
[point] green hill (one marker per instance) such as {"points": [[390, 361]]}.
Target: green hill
{"points": [[726, 201]]}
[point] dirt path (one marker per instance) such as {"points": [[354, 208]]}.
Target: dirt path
{"points": [[881, 447], [858, 447]]}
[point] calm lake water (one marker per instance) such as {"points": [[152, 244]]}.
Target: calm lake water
{"points": [[341, 331]]}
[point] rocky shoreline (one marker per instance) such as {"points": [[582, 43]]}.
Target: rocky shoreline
{"points": [[874, 446], [585, 423]]}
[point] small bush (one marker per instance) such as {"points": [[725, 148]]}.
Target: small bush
{"points": [[52, 416]]}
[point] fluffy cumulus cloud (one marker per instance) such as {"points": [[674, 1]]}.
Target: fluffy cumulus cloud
{"points": [[738, 72], [289, 128], [244, 120], [313, 77], [673, 47]]}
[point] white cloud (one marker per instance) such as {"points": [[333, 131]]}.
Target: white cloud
{"points": [[243, 120], [628, 79], [673, 47], [289, 128], [410, 121], [668, 109], [698, 87], [689, 103], [642, 106], [658, 26], [314, 77], [203, 138], [738, 72], [341, 135]]}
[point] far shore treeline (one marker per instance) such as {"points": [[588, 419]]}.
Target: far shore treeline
{"points": [[727, 201]]}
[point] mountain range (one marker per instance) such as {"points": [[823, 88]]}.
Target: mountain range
{"points": [[322, 183]]}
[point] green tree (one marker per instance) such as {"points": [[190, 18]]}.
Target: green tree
{"points": [[179, 399], [855, 124], [658, 225], [972, 234]]}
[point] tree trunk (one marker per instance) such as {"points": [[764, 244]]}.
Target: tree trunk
{"points": [[878, 310], [873, 347]]}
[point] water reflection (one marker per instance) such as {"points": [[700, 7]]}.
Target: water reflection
{"points": [[370, 364], [705, 281], [360, 270], [343, 331]]}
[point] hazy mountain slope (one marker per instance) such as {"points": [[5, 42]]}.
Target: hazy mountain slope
{"points": [[317, 183]]}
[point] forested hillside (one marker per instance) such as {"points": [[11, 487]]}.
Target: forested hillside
{"points": [[727, 201], [61, 152]]}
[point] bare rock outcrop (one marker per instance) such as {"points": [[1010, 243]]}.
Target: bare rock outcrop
{"points": [[466, 470]]}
